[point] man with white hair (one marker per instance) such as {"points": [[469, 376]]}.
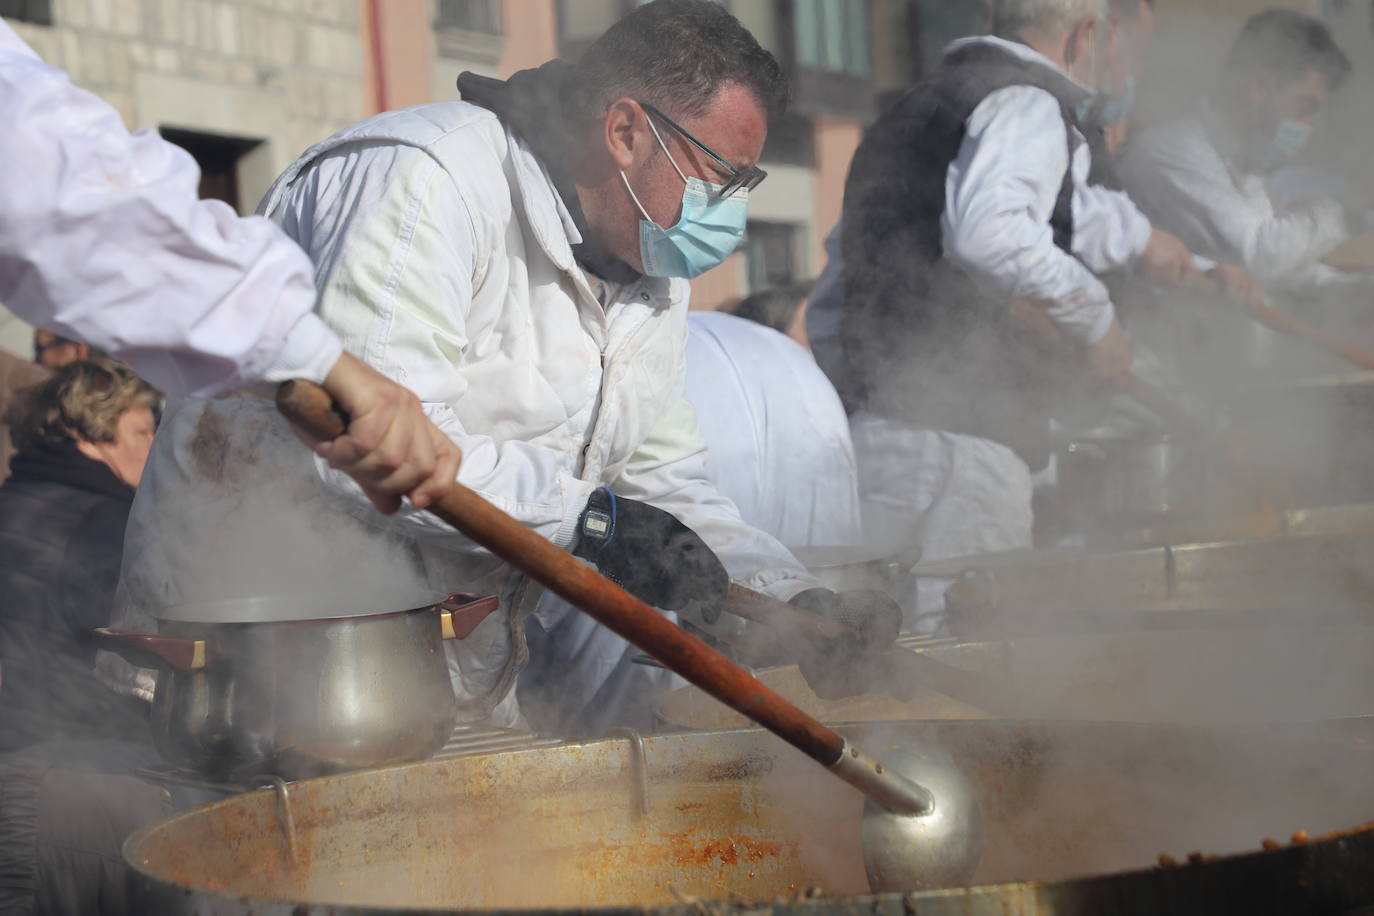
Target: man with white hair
{"points": [[972, 191]]}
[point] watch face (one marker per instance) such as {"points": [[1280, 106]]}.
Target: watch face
{"points": [[597, 525]]}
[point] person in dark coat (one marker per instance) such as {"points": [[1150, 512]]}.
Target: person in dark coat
{"points": [[83, 437]]}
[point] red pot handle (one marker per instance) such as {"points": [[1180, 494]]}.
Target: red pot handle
{"points": [[153, 650], [460, 613]]}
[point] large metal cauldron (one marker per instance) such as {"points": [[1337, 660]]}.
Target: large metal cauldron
{"points": [[1319, 576], [1278, 674], [300, 697], [702, 820]]}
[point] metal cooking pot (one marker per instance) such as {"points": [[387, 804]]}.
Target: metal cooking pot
{"points": [[1203, 675], [1077, 817], [1311, 578], [1110, 483], [298, 698]]}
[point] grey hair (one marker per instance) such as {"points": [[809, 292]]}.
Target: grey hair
{"points": [[1012, 17]]}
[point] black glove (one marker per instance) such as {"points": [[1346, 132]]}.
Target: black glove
{"points": [[849, 665], [651, 555]]}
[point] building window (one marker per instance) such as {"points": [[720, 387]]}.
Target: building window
{"points": [[38, 12], [480, 16], [832, 35], [771, 250], [829, 56], [470, 31], [218, 157], [581, 22], [791, 140]]}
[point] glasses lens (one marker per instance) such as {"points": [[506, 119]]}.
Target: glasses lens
{"points": [[736, 182]]}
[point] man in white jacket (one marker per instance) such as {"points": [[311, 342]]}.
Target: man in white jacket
{"points": [[103, 237], [973, 190], [779, 449], [1205, 175], [519, 260]]}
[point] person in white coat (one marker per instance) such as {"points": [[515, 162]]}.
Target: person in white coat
{"points": [[778, 447], [1205, 175], [973, 190], [103, 238], [777, 435], [519, 260]]}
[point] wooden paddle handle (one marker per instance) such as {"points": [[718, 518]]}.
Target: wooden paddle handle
{"points": [[310, 407], [1293, 326]]}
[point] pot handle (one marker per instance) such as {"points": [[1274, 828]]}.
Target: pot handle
{"points": [[153, 650], [460, 613]]}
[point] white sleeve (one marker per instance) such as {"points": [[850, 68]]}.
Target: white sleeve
{"points": [[1109, 231], [103, 238], [1186, 187], [396, 253], [669, 471], [1000, 193]]}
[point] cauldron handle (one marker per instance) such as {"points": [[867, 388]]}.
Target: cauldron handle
{"points": [[461, 612]]}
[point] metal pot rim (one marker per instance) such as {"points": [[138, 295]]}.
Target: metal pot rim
{"points": [[203, 612], [1105, 437]]}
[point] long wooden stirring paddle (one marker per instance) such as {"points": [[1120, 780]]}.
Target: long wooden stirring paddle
{"points": [[1293, 326], [916, 834]]}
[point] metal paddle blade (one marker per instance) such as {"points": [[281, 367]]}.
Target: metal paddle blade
{"points": [[922, 852]]}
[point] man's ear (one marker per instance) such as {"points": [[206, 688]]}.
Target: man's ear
{"points": [[1077, 49], [623, 126]]}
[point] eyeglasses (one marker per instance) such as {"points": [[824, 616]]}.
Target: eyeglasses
{"points": [[746, 178]]}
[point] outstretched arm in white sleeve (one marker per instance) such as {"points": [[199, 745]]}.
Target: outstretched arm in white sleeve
{"points": [[103, 238], [1000, 193]]}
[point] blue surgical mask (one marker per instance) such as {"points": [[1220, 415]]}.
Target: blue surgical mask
{"points": [[1287, 143], [1291, 139], [1114, 105], [708, 230], [1107, 107]]}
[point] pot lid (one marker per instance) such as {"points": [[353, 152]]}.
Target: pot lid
{"points": [[310, 606]]}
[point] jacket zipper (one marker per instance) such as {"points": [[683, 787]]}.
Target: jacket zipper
{"points": [[596, 419]]}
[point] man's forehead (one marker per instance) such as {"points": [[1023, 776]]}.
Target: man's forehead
{"points": [[733, 125]]}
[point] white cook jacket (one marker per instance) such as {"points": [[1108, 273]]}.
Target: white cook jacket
{"points": [[954, 495], [443, 256], [1186, 176], [776, 432], [103, 238], [1000, 193], [778, 447]]}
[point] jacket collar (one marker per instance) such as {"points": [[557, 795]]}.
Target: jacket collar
{"points": [[1017, 49], [553, 226], [61, 462]]}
